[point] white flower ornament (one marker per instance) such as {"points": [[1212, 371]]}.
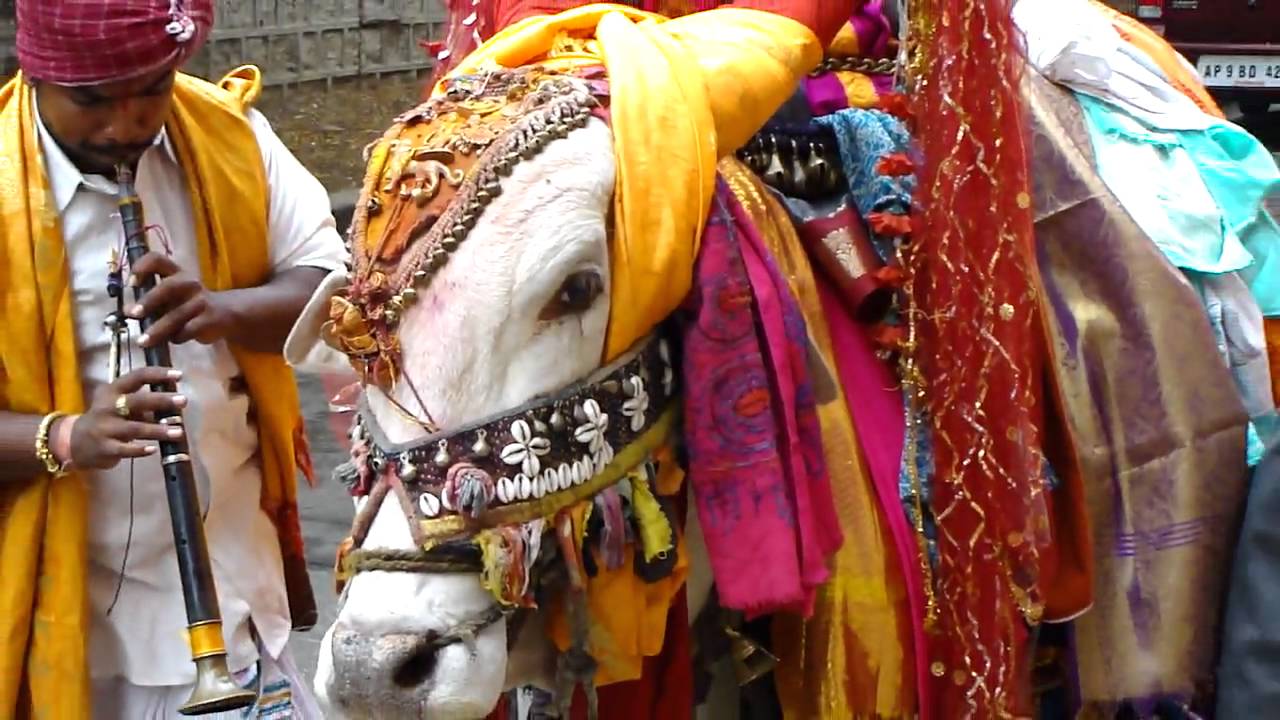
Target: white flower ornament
{"points": [[591, 433], [636, 407], [526, 449], [668, 375]]}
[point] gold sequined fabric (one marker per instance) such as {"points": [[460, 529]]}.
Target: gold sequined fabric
{"points": [[1157, 419]]}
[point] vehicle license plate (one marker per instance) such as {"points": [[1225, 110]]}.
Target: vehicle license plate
{"points": [[1239, 70]]}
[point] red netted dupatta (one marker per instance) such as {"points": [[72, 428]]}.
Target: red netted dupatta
{"points": [[974, 314]]}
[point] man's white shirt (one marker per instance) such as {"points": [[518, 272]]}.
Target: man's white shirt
{"points": [[143, 639]]}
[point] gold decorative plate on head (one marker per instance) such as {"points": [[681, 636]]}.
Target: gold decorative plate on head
{"points": [[428, 181]]}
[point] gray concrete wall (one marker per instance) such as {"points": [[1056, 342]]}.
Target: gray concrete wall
{"points": [[296, 41]]}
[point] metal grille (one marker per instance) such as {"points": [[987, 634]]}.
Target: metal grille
{"points": [[296, 41], [8, 57], [1128, 7]]}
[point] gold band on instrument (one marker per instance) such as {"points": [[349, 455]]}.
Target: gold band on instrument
{"points": [[206, 640]]}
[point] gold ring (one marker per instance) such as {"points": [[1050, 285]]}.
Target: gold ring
{"points": [[122, 406]]}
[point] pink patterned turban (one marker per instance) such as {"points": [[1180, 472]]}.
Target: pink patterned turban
{"points": [[86, 42]]}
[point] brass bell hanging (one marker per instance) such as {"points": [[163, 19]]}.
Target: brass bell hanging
{"points": [[751, 661]]}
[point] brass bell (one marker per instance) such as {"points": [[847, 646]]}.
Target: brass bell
{"points": [[442, 459], [481, 446], [827, 177], [775, 174], [801, 182], [751, 661]]}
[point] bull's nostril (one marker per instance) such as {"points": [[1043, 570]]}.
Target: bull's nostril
{"points": [[416, 668]]}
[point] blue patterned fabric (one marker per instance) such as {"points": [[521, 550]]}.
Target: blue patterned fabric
{"points": [[865, 136], [924, 471]]}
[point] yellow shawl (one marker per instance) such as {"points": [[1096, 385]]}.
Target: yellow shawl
{"points": [[43, 522], [684, 93]]}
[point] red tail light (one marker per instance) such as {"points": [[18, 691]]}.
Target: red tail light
{"points": [[1150, 9]]}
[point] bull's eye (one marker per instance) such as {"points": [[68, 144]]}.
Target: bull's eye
{"points": [[575, 296]]}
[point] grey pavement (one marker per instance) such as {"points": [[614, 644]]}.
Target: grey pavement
{"points": [[326, 516], [326, 509]]}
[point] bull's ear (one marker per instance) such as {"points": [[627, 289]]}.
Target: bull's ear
{"points": [[304, 349]]}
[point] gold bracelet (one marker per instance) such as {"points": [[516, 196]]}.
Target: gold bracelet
{"points": [[43, 453]]}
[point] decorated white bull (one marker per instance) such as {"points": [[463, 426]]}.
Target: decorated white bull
{"points": [[544, 256]]}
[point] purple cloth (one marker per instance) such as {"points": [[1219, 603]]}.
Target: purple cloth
{"points": [[825, 93]]}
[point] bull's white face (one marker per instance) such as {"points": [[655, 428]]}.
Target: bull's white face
{"points": [[520, 309]]}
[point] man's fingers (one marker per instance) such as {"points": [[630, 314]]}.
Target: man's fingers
{"points": [[203, 329], [132, 431], [168, 294], [172, 323], [153, 263], [126, 450], [146, 401], [135, 380]]}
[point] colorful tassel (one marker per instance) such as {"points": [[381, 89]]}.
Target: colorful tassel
{"points": [[895, 165], [897, 105], [890, 276], [889, 337], [656, 536], [468, 489], [887, 224], [340, 572], [504, 576], [613, 537], [571, 524]]}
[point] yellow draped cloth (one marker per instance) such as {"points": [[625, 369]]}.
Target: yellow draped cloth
{"points": [[854, 657], [44, 619], [684, 93]]}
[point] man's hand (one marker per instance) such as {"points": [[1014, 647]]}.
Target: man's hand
{"points": [[180, 307], [101, 437]]}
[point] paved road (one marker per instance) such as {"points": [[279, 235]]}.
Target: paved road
{"points": [[325, 510]]}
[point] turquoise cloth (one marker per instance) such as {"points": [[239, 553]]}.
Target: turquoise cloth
{"points": [[1197, 193]]}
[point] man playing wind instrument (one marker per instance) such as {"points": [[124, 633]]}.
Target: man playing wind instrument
{"points": [[92, 621]]}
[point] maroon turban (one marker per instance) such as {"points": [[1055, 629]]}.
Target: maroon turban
{"points": [[86, 42]]}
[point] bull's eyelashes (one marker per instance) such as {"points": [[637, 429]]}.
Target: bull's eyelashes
{"points": [[575, 295]]}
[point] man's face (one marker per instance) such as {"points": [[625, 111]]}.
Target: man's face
{"points": [[101, 126]]}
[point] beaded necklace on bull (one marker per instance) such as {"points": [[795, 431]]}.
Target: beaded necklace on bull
{"points": [[491, 487]]}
